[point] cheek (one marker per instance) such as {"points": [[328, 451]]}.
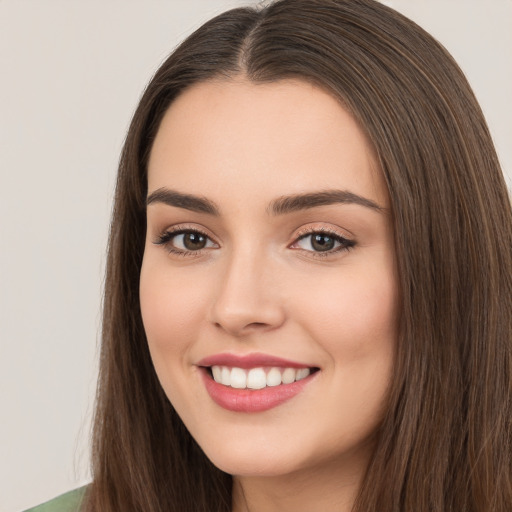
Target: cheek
{"points": [[355, 323], [173, 309], [353, 314]]}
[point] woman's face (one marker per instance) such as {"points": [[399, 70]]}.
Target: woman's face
{"points": [[269, 264]]}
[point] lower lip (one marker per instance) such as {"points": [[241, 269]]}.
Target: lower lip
{"points": [[249, 400]]}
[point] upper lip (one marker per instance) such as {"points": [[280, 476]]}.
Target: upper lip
{"points": [[248, 361]]}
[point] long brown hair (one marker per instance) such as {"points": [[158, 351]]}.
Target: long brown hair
{"points": [[445, 442]]}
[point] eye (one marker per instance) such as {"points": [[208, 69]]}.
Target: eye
{"points": [[323, 242], [185, 241]]}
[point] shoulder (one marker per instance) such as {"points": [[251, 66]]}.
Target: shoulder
{"points": [[69, 502]]}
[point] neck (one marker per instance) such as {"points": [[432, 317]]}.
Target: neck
{"points": [[328, 488]]}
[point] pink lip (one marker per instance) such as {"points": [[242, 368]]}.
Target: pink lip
{"points": [[249, 400], [249, 361]]}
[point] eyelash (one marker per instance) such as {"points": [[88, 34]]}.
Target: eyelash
{"points": [[345, 243], [166, 238]]}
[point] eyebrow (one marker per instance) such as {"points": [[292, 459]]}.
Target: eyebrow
{"points": [[187, 201], [288, 204], [280, 206]]}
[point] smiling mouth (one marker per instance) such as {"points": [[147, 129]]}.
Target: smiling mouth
{"points": [[257, 378]]}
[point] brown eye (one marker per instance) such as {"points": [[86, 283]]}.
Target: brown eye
{"points": [[185, 241], [319, 242], [194, 241], [322, 242]]}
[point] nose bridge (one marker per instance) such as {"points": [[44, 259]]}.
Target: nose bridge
{"points": [[247, 298]]}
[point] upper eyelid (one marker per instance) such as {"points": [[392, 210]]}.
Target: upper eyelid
{"points": [[186, 228], [166, 236], [340, 238], [295, 237], [308, 230], [178, 229]]}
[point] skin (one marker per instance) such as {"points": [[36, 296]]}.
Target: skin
{"points": [[257, 286]]}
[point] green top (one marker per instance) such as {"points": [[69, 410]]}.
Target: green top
{"points": [[69, 502]]}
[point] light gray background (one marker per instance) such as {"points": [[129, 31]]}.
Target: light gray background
{"points": [[71, 74]]}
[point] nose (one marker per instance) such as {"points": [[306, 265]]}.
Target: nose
{"points": [[247, 299]]}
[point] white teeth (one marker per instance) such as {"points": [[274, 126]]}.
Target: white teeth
{"points": [[274, 377], [225, 377], [302, 373], [217, 373], [257, 378], [238, 378], [288, 375]]}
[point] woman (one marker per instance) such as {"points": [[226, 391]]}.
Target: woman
{"points": [[309, 286]]}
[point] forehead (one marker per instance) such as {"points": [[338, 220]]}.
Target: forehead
{"points": [[274, 138]]}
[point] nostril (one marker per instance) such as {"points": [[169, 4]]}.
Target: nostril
{"points": [[241, 311], [242, 328]]}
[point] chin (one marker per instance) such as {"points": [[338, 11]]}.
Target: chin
{"points": [[260, 466], [249, 457]]}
